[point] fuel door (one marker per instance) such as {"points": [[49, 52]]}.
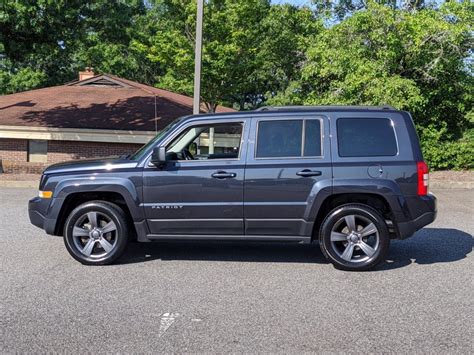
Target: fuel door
{"points": [[375, 171]]}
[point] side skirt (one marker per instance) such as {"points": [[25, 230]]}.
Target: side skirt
{"points": [[261, 238]]}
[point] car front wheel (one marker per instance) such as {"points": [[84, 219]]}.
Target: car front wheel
{"points": [[354, 237], [96, 233]]}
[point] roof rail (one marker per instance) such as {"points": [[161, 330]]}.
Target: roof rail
{"points": [[332, 107]]}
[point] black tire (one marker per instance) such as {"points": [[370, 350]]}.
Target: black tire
{"points": [[78, 239], [353, 253]]}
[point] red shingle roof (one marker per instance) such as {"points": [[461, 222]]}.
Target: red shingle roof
{"points": [[102, 102]]}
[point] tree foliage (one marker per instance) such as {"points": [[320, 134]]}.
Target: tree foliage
{"points": [[58, 37], [415, 55], [416, 61], [250, 48], [339, 9]]}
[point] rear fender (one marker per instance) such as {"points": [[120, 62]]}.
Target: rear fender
{"points": [[386, 189]]}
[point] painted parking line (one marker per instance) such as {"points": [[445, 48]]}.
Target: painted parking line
{"points": [[167, 319]]}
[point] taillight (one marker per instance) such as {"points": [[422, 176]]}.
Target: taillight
{"points": [[423, 178]]}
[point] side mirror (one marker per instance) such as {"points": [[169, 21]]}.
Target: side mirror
{"points": [[159, 155]]}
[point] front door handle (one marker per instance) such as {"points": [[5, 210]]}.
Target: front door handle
{"points": [[223, 175], [307, 172]]}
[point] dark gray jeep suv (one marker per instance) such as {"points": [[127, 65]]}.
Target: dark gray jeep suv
{"points": [[350, 178]]}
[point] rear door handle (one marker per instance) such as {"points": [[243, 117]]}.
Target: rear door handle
{"points": [[223, 175], [307, 172]]}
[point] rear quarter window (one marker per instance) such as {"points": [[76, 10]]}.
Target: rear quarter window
{"points": [[366, 137]]}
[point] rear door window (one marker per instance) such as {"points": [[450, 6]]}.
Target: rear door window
{"points": [[312, 138], [366, 137], [289, 139]]}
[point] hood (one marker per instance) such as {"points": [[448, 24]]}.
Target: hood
{"points": [[88, 165]]}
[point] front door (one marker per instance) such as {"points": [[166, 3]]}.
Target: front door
{"points": [[200, 189], [288, 164]]}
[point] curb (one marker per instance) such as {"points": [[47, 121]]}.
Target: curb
{"points": [[439, 185], [21, 184], [447, 185]]}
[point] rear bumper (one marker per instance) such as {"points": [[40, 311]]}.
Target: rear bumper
{"points": [[425, 212], [407, 229]]}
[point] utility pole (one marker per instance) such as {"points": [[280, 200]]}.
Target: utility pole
{"points": [[197, 57]]}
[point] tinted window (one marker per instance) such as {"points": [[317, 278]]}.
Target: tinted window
{"points": [[279, 139], [312, 138], [366, 137], [284, 138], [203, 142]]}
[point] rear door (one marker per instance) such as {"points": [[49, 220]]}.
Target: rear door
{"points": [[288, 163]]}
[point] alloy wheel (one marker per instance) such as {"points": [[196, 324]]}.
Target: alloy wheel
{"points": [[354, 238], [94, 234]]}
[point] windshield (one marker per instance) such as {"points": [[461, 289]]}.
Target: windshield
{"points": [[143, 150]]}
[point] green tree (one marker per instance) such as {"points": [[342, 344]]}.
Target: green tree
{"points": [[288, 31], [231, 33], [250, 48], [339, 9], [416, 61], [55, 38]]}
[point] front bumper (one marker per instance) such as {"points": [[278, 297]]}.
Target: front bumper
{"points": [[37, 211], [424, 210]]}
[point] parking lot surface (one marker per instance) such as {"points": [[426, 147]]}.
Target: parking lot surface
{"points": [[237, 297]]}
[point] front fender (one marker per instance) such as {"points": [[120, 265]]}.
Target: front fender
{"points": [[68, 186]]}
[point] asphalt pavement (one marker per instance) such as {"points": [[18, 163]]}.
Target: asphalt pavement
{"points": [[237, 297]]}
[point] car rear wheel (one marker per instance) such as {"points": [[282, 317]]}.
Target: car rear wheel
{"points": [[96, 233], [354, 237]]}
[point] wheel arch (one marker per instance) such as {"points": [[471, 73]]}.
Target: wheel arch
{"points": [[68, 194], [75, 199], [377, 201]]}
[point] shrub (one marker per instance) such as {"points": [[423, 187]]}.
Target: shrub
{"points": [[442, 153]]}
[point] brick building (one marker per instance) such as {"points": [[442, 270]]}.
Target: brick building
{"points": [[96, 116]]}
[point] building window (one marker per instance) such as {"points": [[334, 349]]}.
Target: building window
{"points": [[37, 151]]}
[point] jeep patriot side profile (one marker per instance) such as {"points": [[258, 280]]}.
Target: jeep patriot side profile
{"points": [[350, 178]]}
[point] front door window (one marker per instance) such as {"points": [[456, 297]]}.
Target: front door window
{"points": [[205, 142]]}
